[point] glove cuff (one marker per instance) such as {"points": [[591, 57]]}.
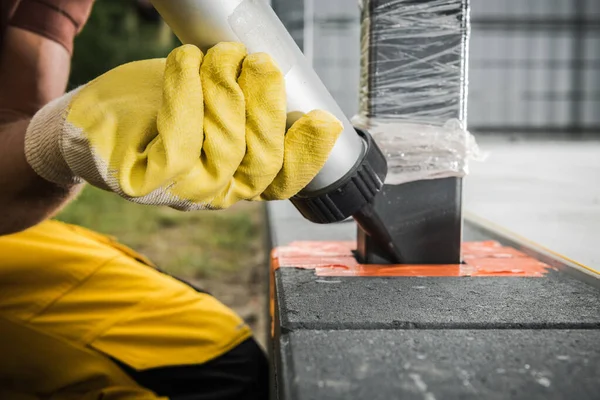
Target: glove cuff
{"points": [[42, 143]]}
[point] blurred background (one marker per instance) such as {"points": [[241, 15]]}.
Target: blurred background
{"points": [[534, 76], [534, 64]]}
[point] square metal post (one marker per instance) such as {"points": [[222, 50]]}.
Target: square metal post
{"points": [[402, 39]]}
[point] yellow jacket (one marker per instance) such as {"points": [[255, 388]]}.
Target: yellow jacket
{"points": [[74, 304]]}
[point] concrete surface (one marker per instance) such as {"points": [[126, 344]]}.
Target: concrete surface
{"points": [[450, 338], [383, 338], [442, 365], [556, 301], [547, 191]]}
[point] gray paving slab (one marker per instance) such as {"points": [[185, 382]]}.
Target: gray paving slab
{"points": [[333, 345], [442, 365], [306, 301]]}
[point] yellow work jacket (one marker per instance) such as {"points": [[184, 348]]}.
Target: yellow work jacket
{"points": [[73, 301]]}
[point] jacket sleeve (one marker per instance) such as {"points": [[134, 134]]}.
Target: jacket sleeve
{"points": [[7, 9], [58, 20]]}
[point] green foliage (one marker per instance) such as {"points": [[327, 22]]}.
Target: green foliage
{"points": [[115, 34], [194, 245]]}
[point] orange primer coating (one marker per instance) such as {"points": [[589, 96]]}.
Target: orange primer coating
{"points": [[487, 258]]}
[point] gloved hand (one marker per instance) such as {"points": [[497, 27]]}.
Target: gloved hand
{"points": [[190, 132]]}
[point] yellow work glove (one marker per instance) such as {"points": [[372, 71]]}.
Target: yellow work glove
{"points": [[189, 131]]}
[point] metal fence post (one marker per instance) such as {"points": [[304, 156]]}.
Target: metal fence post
{"points": [[425, 216]]}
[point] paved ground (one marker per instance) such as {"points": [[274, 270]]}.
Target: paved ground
{"points": [[433, 364], [451, 338], [430, 338], [546, 191]]}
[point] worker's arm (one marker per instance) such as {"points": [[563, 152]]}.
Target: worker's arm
{"points": [[33, 71]]}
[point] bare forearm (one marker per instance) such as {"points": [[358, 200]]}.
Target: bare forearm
{"points": [[33, 71], [26, 199]]}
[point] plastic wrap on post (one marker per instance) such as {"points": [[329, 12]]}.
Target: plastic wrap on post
{"points": [[413, 86], [419, 151], [413, 99]]}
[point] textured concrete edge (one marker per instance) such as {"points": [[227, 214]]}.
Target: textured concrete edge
{"points": [[486, 232], [281, 366], [493, 364], [489, 230], [281, 348], [269, 340], [285, 387], [290, 319]]}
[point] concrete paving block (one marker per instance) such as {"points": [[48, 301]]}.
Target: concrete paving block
{"points": [[441, 364], [306, 301]]}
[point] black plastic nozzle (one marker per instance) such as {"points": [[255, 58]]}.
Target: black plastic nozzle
{"points": [[353, 196]]}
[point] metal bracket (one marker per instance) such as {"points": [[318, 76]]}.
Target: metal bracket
{"points": [[425, 221], [424, 217]]}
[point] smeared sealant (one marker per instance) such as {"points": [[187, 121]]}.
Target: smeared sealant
{"points": [[488, 258]]}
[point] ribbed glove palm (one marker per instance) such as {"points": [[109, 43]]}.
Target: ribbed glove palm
{"points": [[190, 132]]}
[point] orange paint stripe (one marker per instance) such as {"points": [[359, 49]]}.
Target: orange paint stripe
{"points": [[489, 249], [518, 266], [390, 270], [487, 258]]}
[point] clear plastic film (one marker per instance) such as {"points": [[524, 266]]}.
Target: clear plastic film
{"points": [[414, 86], [417, 151]]}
